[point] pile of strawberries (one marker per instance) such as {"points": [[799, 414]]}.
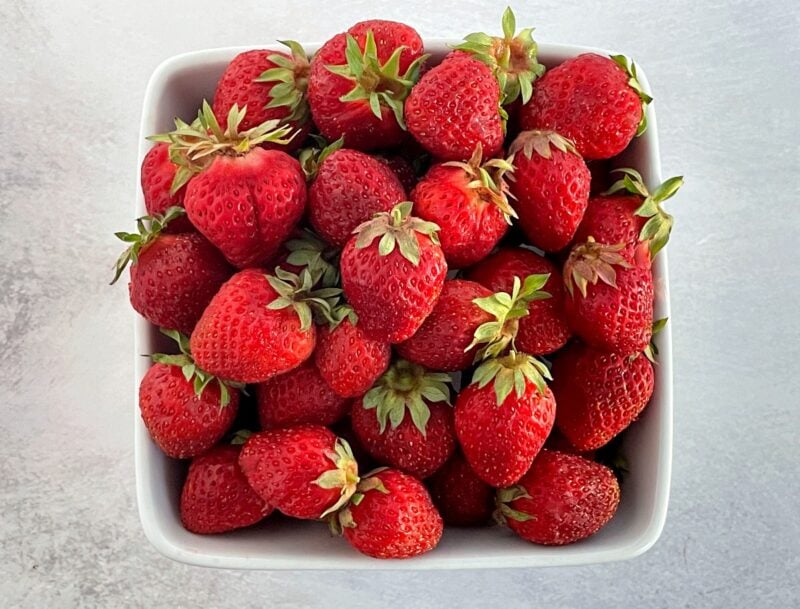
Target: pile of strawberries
{"points": [[374, 253]]}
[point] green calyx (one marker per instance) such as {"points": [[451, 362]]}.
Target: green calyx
{"points": [[193, 147], [590, 262], [309, 251], [511, 58], [633, 82], [541, 142], [658, 227], [503, 499], [343, 476], [397, 228], [512, 372], [340, 313], [297, 292], [311, 158], [381, 85], [199, 378], [291, 78], [507, 309], [343, 519], [406, 386], [148, 229], [240, 437], [651, 351]]}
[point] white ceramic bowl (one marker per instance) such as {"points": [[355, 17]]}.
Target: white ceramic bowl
{"points": [[176, 88]]}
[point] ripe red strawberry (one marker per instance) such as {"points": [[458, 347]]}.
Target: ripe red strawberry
{"points": [[616, 313], [391, 516], [359, 80], [469, 203], [463, 499], [545, 328], [456, 106], [303, 471], [401, 168], [499, 431], [595, 101], [172, 277], [185, 409], [551, 188], [562, 499], [157, 175], [299, 396], [393, 284], [418, 442], [216, 497]]}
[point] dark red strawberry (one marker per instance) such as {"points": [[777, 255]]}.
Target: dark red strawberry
{"points": [[562, 499], [401, 168], [463, 499], [157, 174]]}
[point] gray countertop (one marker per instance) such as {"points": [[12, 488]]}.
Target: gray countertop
{"points": [[725, 76]]}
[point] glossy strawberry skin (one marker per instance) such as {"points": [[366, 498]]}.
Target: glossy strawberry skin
{"points": [[240, 339], [470, 226], [401, 168], [348, 360], [299, 396], [391, 296], [463, 499], [247, 206], [281, 465], [571, 498], [175, 278], [500, 442], [545, 328], [588, 100], [405, 447], [350, 188], [216, 497], [441, 341], [398, 524], [611, 220], [454, 107], [599, 394], [181, 423], [157, 175]]}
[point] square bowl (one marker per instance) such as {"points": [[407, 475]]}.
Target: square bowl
{"points": [[175, 89]]}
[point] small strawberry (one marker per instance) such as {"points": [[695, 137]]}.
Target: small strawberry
{"points": [[216, 497], [469, 203], [401, 168], [596, 102], [418, 442], [185, 409], [391, 516], [463, 499], [456, 106], [172, 277], [545, 328], [562, 499], [157, 175], [393, 284], [499, 431], [304, 471]]}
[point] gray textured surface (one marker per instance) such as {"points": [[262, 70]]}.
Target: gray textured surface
{"points": [[725, 79]]}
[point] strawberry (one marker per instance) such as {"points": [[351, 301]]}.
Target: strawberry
{"points": [[393, 284], [545, 328], [185, 409], [304, 471], [499, 431], [463, 499], [258, 326], [469, 203], [359, 80], [391, 516], [216, 497], [456, 106], [299, 396], [401, 168], [594, 101], [615, 313], [157, 174], [418, 443], [172, 277], [246, 200], [562, 499]]}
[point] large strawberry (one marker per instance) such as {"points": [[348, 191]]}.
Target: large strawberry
{"points": [[359, 80], [562, 499], [545, 328], [392, 272], [463, 499], [303, 471], [456, 106], [595, 101], [469, 203], [406, 420], [157, 174], [504, 417], [172, 277]]}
